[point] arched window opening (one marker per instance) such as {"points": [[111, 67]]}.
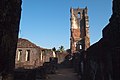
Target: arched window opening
{"points": [[80, 46], [79, 15]]}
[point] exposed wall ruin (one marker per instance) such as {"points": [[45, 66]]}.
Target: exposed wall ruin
{"points": [[79, 39], [10, 12], [103, 57]]}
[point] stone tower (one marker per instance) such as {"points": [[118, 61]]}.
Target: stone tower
{"points": [[79, 39]]}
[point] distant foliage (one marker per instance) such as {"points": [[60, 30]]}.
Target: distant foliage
{"points": [[54, 49], [61, 49]]}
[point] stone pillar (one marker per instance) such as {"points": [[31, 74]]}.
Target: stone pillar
{"points": [[87, 36], [10, 13]]}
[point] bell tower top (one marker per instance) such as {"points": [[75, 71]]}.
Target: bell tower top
{"points": [[79, 29]]}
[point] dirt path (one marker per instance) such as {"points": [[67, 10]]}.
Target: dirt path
{"points": [[63, 74]]}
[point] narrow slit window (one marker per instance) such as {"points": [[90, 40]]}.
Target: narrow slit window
{"points": [[80, 46], [79, 15], [19, 56], [27, 57], [75, 44]]}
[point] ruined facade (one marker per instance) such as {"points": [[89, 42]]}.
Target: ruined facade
{"points": [[29, 55], [79, 39]]}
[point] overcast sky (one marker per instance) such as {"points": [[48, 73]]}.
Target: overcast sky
{"points": [[47, 22]]}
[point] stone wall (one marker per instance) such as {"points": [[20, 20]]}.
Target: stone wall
{"points": [[102, 60], [10, 13], [34, 61]]}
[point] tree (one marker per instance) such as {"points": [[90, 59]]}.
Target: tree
{"points": [[61, 49], [54, 49]]}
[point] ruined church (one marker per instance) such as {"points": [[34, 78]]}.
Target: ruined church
{"points": [[79, 28]]}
